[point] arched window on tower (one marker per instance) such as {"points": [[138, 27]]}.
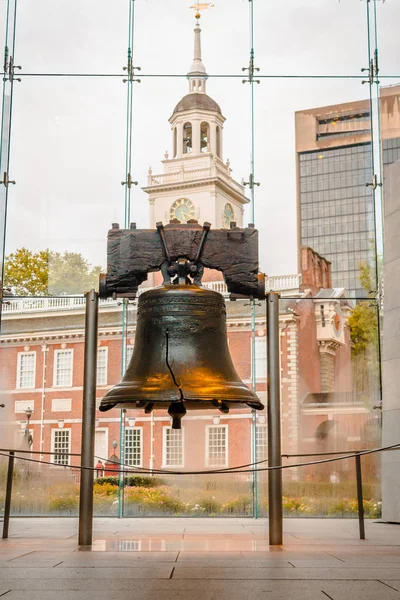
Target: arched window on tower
{"points": [[204, 137], [187, 138], [218, 136], [175, 142]]}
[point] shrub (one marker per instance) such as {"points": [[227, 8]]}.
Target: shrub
{"points": [[131, 481], [242, 505], [207, 505], [64, 504], [153, 500]]}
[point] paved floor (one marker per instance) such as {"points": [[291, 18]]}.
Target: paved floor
{"points": [[207, 559]]}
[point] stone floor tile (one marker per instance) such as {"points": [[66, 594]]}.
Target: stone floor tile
{"points": [[394, 583], [315, 573], [359, 590], [253, 590], [156, 571]]}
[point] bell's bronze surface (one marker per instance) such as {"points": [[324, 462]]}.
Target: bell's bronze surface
{"points": [[181, 357]]}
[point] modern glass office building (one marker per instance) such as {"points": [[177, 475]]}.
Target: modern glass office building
{"points": [[335, 196]]}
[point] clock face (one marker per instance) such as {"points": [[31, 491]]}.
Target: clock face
{"points": [[229, 215], [182, 209]]}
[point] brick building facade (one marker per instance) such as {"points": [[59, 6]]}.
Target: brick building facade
{"points": [[42, 350]]}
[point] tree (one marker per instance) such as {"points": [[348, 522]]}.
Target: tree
{"points": [[363, 321], [47, 272], [364, 337]]}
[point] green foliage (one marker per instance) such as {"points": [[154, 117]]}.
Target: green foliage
{"points": [[207, 505], [326, 489], [363, 321], [48, 272], [131, 481], [242, 505], [152, 500], [64, 504]]}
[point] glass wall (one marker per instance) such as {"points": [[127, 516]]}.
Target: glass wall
{"points": [[294, 131]]}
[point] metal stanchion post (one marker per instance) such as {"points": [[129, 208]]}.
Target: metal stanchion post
{"points": [[360, 500], [7, 503], [274, 422], [88, 420]]}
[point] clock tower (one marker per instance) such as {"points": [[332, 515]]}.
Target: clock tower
{"points": [[196, 182]]}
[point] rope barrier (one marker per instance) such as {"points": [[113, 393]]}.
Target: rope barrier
{"points": [[232, 470]]}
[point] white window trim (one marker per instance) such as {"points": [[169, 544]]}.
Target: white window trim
{"points": [[29, 404], [252, 440], [207, 456], [18, 386], [141, 446], [64, 409], [164, 449], [53, 437], [106, 444], [128, 359], [259, 378], [56, 352], [103, 348]]}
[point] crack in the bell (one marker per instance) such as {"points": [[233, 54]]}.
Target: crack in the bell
{"points": [[170, 368]]}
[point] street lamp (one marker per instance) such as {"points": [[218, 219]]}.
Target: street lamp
{"points": [[28, 435]]}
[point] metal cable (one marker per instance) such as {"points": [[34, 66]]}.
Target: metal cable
{"points": [[222, 472]]}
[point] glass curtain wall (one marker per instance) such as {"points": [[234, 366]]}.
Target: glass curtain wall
{"points": [[294, 136]]}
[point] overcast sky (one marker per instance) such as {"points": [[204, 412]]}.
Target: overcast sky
{"points": [[68, 133]]}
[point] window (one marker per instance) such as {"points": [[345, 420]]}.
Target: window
{"points": [[129, 352], [22, 405], [26, 369], [175, 142], [204, 137], [61, 404], [261, 357], [61, 442], [187, 138], [219, 142], [102, 354], [63, 368], [173, 447], [261, 442], [133, 447], [217, 445]]}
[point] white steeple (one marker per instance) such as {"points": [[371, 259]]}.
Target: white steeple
{"points": [[196, 183], [197, 75]]}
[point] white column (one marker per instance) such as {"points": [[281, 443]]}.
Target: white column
{"points": [[196, 136], [213, 138], [179, 127]]}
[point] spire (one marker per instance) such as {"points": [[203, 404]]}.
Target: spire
{"points": [[197, 75]]}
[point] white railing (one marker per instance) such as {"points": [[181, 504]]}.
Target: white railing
{"points": [[46, 304], [24, 305], [192, 175], [281, 283]]}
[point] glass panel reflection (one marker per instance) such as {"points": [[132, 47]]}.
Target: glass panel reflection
{"points": [[296, 38], [69, 182], [72, 37], [331, 399], [325, 167], [169, 50]]}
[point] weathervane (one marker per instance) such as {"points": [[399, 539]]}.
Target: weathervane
{"points": [[198, 6]]}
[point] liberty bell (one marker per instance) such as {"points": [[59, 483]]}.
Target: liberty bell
{"points": [[181, 357]]}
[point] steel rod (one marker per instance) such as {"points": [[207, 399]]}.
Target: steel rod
{"points": [[360, 499], [274, 421], [88, 420], [7, 503]]}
